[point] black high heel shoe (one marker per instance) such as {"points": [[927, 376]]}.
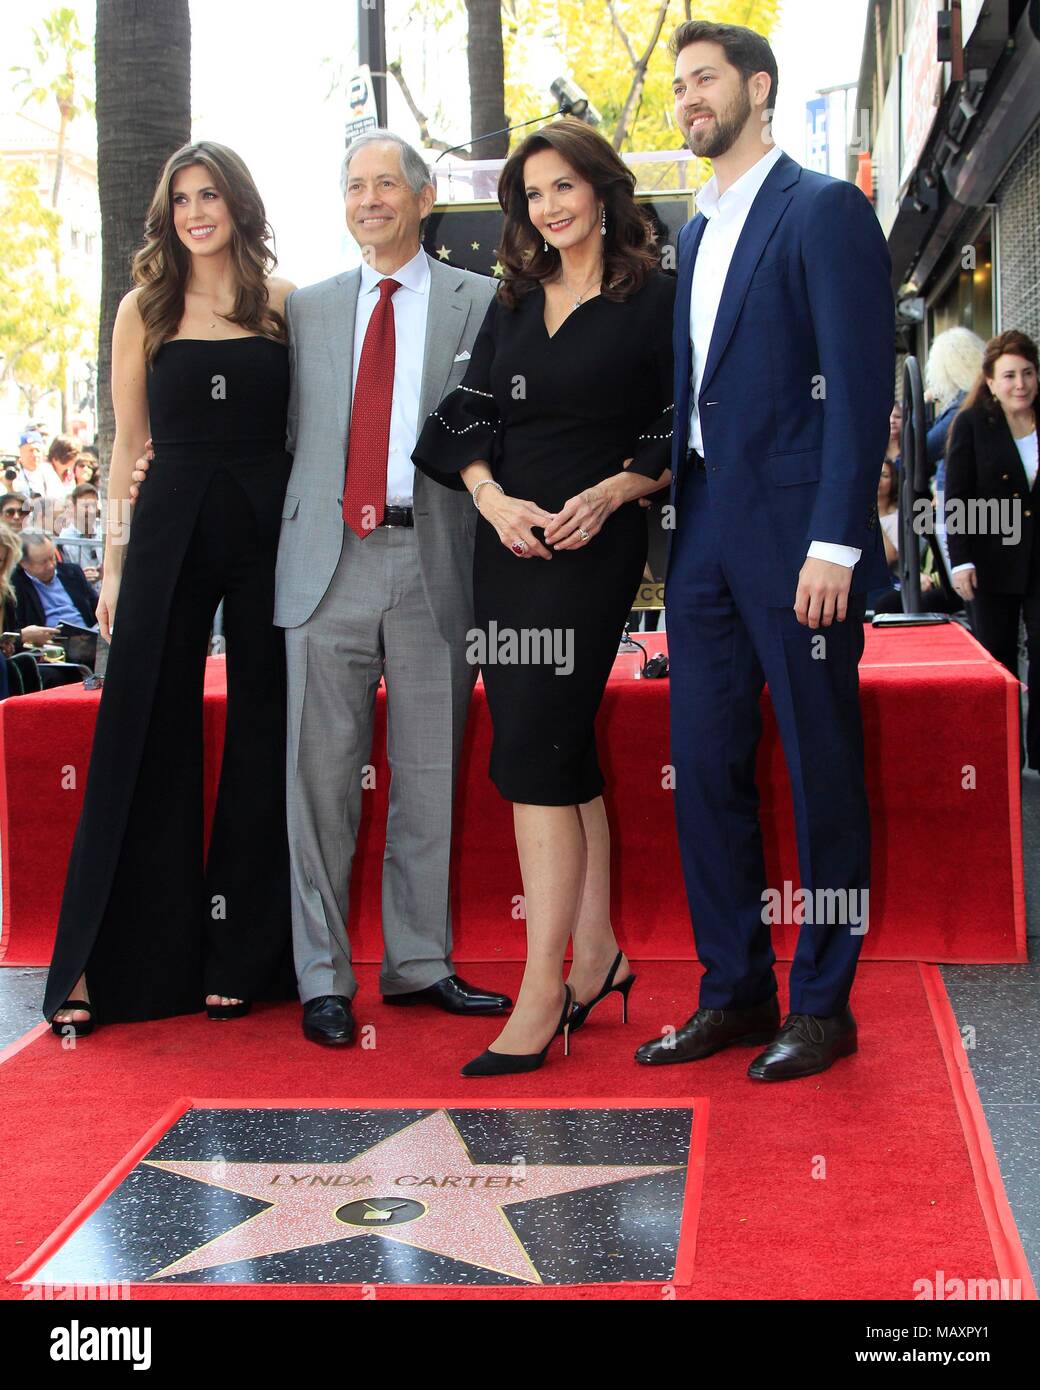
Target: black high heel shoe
{"points": [[222, 1011], [81, 1028], [582, 1011], [507, 1063]]}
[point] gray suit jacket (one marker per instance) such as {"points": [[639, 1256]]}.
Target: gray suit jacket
{"points": [[320, 319]]}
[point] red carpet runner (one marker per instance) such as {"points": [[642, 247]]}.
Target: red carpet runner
{"points": [[858, 1183]]}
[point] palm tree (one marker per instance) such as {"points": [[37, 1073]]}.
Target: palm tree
{"points": [[57, 77], [486, 77], [143, 57]]}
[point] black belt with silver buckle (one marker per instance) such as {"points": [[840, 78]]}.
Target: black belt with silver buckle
{"points": [[397, 516]]}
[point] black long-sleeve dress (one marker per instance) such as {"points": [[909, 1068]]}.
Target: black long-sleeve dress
{"points": [[155, 924], [552, 416]]}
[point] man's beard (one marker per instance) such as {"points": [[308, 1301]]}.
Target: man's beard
{"points": [[728, 126]]}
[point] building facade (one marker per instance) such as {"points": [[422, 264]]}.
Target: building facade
{"points": [[949, 107]]}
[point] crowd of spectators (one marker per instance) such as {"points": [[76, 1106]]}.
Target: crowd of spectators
{"points": [[51, 552]]}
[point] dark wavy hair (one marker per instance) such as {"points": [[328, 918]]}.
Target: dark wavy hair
{"points": [[629, 253], [1010, 342], [162, 265], [745, 49]]}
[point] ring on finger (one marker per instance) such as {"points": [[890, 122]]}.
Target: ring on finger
{"points": [[585, 536], [519, 547]]}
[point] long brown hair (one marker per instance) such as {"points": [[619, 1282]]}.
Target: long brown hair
{"points": [[10, 555], [162, 265], [1010, 342], [629, 253]]}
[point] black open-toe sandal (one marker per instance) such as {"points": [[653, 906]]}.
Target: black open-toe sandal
{"points": [[221, 1011], [80, 1027]]}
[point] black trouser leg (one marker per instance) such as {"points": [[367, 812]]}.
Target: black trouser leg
{"points": [[147, 959], [1031, 611], [995, 622], [248, 935]]}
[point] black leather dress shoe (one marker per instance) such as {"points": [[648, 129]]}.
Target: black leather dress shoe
{"points": [[709, 1031], [804, 1046], [329, 1019], [455, 996]]}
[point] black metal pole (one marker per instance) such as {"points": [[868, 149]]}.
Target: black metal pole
{"points": [[372, 49], [914, 484]]}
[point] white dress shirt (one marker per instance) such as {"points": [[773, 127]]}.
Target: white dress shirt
{"points": [[726, 214], [1027, 451], [411, 304]]}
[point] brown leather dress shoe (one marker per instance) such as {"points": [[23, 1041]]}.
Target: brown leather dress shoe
{"points": [[709, 1031], [804, 1046]]}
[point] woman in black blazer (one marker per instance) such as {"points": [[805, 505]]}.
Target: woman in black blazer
{"points": [[992, 505]]}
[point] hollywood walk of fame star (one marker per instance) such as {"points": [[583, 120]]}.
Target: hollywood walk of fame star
{"points": [[444, 253], [421, 1178]]}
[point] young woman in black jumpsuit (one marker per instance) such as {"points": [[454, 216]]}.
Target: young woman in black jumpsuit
{"points": [[150, 926], [562, 422]]}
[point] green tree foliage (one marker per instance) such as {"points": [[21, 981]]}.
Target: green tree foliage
{"points": [[602, 45], [42, 319]]}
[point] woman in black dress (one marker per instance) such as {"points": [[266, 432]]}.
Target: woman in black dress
{"points": [[149, 926], [561, 423]]}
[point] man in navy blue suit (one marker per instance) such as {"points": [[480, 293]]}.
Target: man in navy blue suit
{"points": [[784, 377]]}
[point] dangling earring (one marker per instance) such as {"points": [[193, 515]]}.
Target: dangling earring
{"points": [[603, 222], [545, 244]]}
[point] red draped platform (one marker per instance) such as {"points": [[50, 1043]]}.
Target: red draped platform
{"points": [[942, 737]]}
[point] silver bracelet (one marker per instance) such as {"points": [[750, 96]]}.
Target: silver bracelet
{"points": [[483, 483]]}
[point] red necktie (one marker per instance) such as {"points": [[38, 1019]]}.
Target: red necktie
{"points": [[364, 492]]}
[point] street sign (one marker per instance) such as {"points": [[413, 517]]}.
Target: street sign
{"points": [[362, 102]]}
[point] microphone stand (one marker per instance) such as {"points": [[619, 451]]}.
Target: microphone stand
{"points": [[564, 109]]}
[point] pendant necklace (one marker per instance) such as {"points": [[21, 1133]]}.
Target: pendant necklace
{"points": [[585, 288]]}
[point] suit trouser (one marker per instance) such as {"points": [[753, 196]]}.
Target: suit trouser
{"points": [[995, 622], [723, 647], [373, 621]]}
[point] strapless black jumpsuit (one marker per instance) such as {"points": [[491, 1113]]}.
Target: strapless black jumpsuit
{"points": [[155, 922]]}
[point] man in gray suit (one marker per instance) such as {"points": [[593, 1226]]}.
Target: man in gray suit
{"points": [[374, 580]]}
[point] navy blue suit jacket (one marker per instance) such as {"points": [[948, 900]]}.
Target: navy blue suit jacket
{"points": [[798, 386]]}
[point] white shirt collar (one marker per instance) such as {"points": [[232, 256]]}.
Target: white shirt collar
{"points": [[413, 275], [740, 194]]}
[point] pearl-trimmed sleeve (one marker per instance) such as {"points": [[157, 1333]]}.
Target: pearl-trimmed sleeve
{"points": [[463, 427]]}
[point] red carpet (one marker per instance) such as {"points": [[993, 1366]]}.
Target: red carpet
{"points": [[947, 858], [855, 1184]]}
